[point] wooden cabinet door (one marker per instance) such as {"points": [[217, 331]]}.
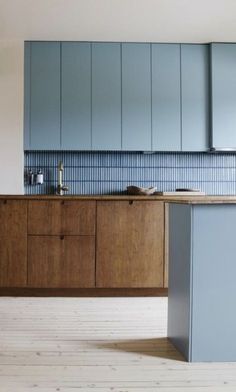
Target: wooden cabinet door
{"points": [[62, 262], [130, 244], [61, 217], [13, 243]]}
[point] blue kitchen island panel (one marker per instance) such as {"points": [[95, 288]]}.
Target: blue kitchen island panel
{"points": [[202, 289]]}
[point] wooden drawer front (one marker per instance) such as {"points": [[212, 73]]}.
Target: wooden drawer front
{"points": [[55, 261], [61, 217], [130, 244], [13, 243]]}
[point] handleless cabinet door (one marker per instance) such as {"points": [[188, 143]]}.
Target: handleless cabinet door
{"points": [[44, 132], [223, 82], [166, 107], [13, 243], [136, 97], [76, 96], [195, 97], [106, 96], [130, 244]]}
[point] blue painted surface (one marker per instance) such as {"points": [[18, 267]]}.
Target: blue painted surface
{"points": [[116, 96], [45, 95], [195, 96], [214, 289], [180, 270], [166, 109], [27, 96], [223, 81], [202, 291], [136, 97], [107, 172], [76, 96], [106, 96]]}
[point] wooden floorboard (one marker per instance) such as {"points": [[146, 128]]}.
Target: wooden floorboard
{"points": [[97, 344]]}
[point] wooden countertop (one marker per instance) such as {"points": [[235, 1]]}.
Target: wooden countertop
{"points": [[170, 199], [203, 200]]}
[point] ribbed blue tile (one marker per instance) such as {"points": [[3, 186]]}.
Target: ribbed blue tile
{"points": [[111, 172]]}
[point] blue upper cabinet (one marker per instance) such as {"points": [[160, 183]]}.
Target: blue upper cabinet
{"points": [[128, 96], [43, 96], [136, 97], [223, 82], [27, 96], [106, 96], [76, 96], [195, 97], [166, 105]]}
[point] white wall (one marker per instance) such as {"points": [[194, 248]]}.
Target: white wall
{"points": [[11, 117]]}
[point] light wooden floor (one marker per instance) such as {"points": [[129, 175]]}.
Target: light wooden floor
{"points": [[98, 344]]}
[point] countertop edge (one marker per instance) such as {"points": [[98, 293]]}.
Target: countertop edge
{"points": [[168, 199]]}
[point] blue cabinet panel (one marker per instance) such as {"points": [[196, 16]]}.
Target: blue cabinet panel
{"points": [[202, 291], [214, 290], [45, 96], [106, 96], [27, 96], [180, 271], [195, 97], [76, 96], [136, 97], [166, 119], [223, 81]]}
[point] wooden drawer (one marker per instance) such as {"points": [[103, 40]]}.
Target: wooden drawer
{"points": [[58, 261], [64, 217]]}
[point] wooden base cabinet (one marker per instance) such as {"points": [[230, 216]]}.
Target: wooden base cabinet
{"points": [[130, 244], [13, 243], [61, 261]]}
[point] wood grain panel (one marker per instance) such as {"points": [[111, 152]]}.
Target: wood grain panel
{"points": [[130, 244], [56, 261], [166, 257], [13, 243], [61, 217]]}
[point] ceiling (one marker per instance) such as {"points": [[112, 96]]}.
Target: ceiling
{"points": [[119, 20]]}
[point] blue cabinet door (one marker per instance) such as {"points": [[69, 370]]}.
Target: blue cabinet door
{"points": [[136, 97], [76, 96], [106, 96], [195, 97], [166, 106], [223, 82], [27, 96], [44, 129]]}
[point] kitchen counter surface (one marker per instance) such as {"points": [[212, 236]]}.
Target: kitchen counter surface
{"points": [[172, 199]]}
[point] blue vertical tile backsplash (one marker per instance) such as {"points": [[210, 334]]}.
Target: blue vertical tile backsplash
{"points": [[110, 172]]}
